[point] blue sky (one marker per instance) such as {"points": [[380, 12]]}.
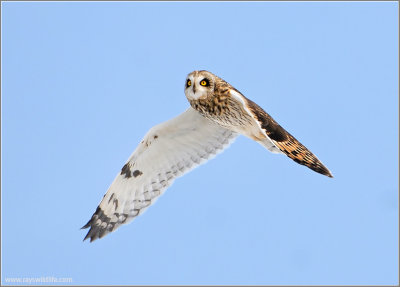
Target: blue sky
{"points": [[82, 82]]}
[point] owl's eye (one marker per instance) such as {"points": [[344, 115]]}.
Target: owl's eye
{"points": [[204, 82], [188, 83]]}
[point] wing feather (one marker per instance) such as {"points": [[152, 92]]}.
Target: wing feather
{"points": [[278, 139], [168, 151]]}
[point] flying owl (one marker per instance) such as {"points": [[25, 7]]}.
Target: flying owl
{"points": [[218, 114]]}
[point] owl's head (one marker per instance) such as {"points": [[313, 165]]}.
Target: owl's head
{"points": [[200, 85]]}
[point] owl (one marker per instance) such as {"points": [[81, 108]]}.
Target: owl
{"points": [[218, 113]]}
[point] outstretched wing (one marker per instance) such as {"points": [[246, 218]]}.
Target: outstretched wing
{"points": [[278, 139], [168, 151]]}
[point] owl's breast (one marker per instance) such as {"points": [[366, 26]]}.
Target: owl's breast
{"points": [[225, 112]]}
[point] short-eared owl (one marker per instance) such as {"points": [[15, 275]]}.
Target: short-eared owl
{"points": [[218, 114]]}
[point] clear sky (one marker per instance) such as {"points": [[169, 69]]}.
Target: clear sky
{"points": [[82, 82]]}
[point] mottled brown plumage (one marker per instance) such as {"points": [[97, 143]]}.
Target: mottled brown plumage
{"points": [[223, 104], [286, 142]]}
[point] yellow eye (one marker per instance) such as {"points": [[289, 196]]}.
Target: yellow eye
{"points": [[203, 83], [189, 83]]}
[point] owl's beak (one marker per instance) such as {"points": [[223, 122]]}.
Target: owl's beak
{"points": [[194, 88]]}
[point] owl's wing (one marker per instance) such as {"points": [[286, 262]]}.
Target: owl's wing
{"points": [[278, 140], [168, 151]]}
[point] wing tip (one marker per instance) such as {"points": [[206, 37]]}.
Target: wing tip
{"points": [[87, 225], [322, 169], [92, 235], [96, 231], [328, 174]]}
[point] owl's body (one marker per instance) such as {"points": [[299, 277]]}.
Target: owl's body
{"points": [[221, 107], [226, 112], [218, 114]]}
